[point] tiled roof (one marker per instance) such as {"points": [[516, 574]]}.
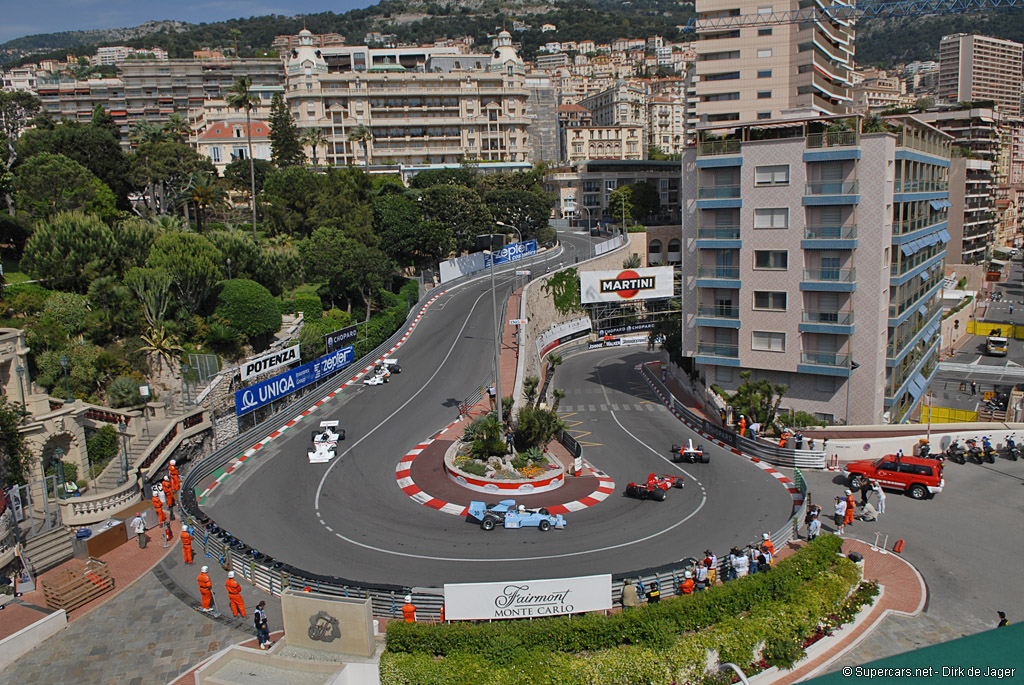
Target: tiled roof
{"points": [[223, 130]]}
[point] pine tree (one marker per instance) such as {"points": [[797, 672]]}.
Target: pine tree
{"points": [[285, 148]]}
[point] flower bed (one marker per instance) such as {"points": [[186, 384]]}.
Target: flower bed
{"points": [[765, 618], [527, 480]]}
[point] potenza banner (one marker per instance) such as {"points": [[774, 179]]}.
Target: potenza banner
{"points": [[281, 385], [626, 285], [268, 362], [527, 599]]}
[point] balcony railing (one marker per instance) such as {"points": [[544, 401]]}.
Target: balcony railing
{"points": [[830, 232], [922, 145], [922, 186], [719, 147], [825, 359], [831, 275], [827, 317], [720, 233], [832, 188], [718, 192], [715, 312], [716, 350], [730, 272], [833, 139]]}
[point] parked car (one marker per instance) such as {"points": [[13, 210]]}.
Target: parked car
{"points": [[507, 514], [918, 477], [655, 488]]}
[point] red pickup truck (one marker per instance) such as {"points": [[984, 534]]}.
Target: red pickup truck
{"points": [[919, 477]]}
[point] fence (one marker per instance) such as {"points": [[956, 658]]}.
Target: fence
{"points": [[779, 456]]}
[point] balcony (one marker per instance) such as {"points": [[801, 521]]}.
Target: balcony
{"points": [[833, 139], [921, 186], [829, 237], [716, 192], [719, 233], [719, 272], [719, 147], [718, 316], [717, 350], [829, 280], [832, 188], [822, 321], [824, 363]]}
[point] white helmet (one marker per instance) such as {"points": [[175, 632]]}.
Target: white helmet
{"points": [[688, 575], [522, 508], [408, 599], [765, 536], [204, 569], [173, 463], [231, 574], [848, 492], [167, 478]]}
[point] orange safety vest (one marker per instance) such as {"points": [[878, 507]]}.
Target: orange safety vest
{"points": [[156, 503], [686, 587], [172, 471], [409, 613], [233, 587], [186, 539], [204, 583]]}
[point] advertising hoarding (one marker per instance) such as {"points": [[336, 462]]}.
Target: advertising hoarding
{"points": [[512, 253], [338, 339], [527, 599], [626, 285], [269, 361], [283, 384]]}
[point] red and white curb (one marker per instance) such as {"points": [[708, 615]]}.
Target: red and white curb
{"points": [[241, 459], [794, 491], [403, 475]]}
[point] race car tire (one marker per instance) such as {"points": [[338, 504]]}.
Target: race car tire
{"points": [[341, 434], [544, 526], [705, 458], [658, 495], [679, 484], [315, 435], [487, 524]]}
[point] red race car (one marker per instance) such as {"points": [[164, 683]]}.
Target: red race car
{"points": [[655, 488]]}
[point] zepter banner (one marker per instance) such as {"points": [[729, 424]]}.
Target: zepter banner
{"points": [[627, 285]]}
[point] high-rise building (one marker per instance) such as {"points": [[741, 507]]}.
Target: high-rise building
{"points": [[790, 231], [973, 68], [748, 70]]}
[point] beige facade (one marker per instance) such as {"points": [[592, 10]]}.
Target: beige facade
{"points": [[605, 142], [981, 68], [583, 189], [747, 71]]}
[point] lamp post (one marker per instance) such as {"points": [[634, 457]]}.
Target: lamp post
{"points": [[184, 386], [57, 461], [519, 235], [590, 234], [928, 399], [229, 268], [122, 427], [849, 381], [497, 337], [21, 385], [67, 389]]}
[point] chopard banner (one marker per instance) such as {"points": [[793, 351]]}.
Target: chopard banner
{"points": [[339, 339], [268, 362], [528, 598], [626, 285]]}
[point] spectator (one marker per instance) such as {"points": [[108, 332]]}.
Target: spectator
{"points": [[755, 428], [409, 610], [630, 600], [742, 564], [654, 594], [1002, 620], [686, 587], [260, 621], [799, 440], [840, 515], [814, 527], [138, 526], [711, 564], [752, 560], [701, 581]]}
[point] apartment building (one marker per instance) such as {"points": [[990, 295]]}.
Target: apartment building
{"points": [[977, 139], [583, 188], [808, 242], [19, 78], [973, 68], [876, 90], [604, 142], [222, 142], [748, 71], [666, 123], [284, 43], [416, 114]]}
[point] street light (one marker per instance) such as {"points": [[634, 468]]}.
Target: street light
{"points": [[849, 381], [229, 268], [184, 386], [21, 385], [497, 337], [122, 427], [57, 461], [519, 235], [67, 389]]}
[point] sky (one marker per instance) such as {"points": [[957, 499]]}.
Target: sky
{"points": [[19, 18]]}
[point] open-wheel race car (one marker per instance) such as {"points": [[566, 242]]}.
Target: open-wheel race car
{"points": [[382, 372], [655, 488], [325, 440], [690, 454], [507, 514]]}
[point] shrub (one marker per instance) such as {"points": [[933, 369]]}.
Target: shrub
{"points": [[473, 467], [309, 304], [26, 298], [124, 392], [249, 308], [536, 427]]}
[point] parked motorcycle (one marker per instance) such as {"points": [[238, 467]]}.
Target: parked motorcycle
{"points": [[955, 452], [924, 451], [973, 451], [987, 450], [1012, 451]]}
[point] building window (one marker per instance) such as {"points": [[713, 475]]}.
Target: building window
{"points": [[215, 155], [768, 341], [727, 76], [771, 217], [764, 73], [719, 97], [764, 32], [775, 260], [723, 374], [764, 115], [770, 300], [764, 95], [764, 53], [775, 175]]}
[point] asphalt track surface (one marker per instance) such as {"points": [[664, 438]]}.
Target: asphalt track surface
{"points": [[349, 519]]}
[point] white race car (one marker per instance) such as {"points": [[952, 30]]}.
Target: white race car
{"points": [[325, 440], [382, 372]]}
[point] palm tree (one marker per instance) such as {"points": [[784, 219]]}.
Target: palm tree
{"points": [[160, 344], [314, 138], [361, 134], [177, 127], [235, 34], [143, 131], [205, 192], [558, 394], [240, 96]]}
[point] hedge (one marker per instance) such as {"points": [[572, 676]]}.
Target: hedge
{"points": [[596, 631], [773, 630], [309, 304]]}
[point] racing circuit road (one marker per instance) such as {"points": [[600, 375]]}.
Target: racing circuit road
{"points": [[349, 519]]}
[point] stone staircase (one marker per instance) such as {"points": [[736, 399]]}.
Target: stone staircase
{"points": [[49, 549], [111, 475]]}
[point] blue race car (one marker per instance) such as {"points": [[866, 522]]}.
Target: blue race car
{"points": [[509, 515]]}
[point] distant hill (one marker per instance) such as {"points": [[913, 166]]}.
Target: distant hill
{"points": [[879, 41]]}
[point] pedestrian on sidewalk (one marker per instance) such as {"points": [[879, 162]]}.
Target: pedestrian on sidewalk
{"points": [[186, 545], [138, 525], [235, 595], [205, 588], [509, 436], [259, 618], [974, 387], [881, 496], [158, 507], [814, 527], [840, 515], [1011, 307]]}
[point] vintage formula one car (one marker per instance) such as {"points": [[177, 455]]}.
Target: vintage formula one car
{"points": [[690, 454], [325, 440], [507, 514], [382, 371], [655, 488]]}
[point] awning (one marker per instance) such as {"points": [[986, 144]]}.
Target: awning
{"points": [[944, 236], [916, 244], [932, 238], [907, 249], [999, 262], [924, 276], [922, 310], [914, 388], [940, 204]]}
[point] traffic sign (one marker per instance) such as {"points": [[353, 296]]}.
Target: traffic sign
{"points": [[516, 322]]}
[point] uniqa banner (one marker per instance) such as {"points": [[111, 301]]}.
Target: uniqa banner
{"points": [[281, 385], [268, 362], [527, 599], [626, 285]]}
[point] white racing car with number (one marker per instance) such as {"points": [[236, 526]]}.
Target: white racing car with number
{"points": [[325, 441]]}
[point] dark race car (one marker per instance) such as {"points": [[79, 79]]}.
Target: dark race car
{"points": [[655, 488]]}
